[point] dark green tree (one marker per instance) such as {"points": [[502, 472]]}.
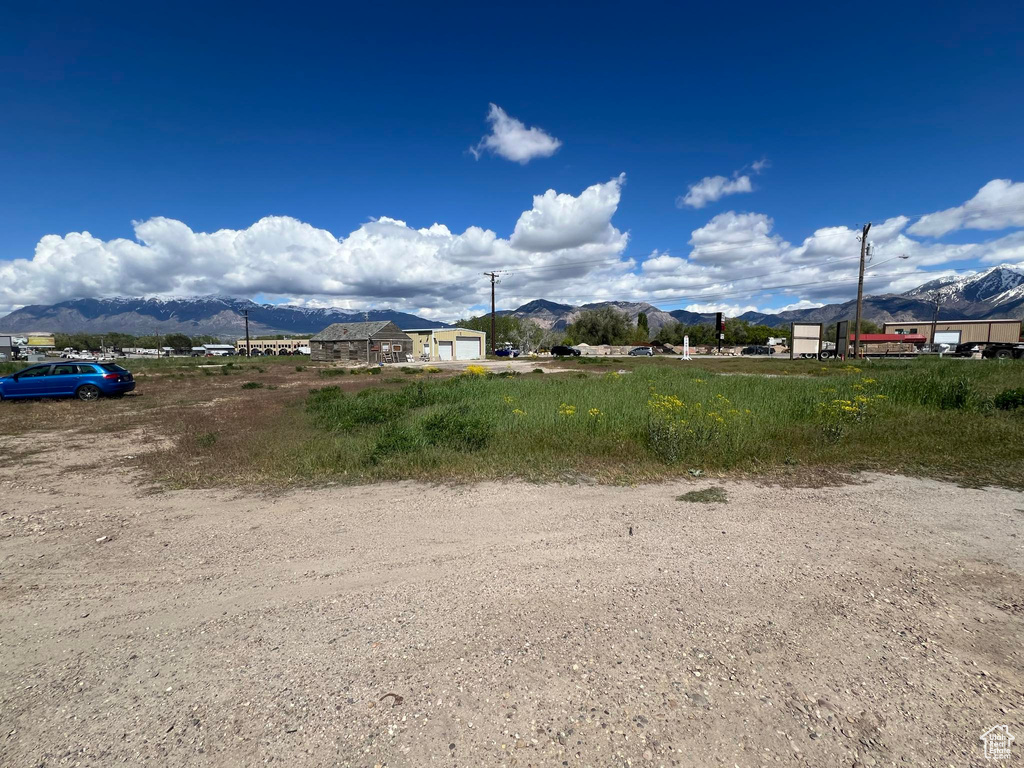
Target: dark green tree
{"points": [[600, 326], [507, 328], [179, 342]]}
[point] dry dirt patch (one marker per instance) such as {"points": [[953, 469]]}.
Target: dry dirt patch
{"points": [[875, 624]]}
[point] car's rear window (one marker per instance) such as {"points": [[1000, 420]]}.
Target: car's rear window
{"points": [[85, 368], [113, 368]]}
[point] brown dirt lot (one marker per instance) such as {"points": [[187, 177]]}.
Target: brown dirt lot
{"points": [[521, 625]]}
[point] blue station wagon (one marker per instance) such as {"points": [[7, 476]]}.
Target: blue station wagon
{"points": [[86, 381]]}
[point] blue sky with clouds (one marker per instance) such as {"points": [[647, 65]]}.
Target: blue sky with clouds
{"points": [[387, 155]]}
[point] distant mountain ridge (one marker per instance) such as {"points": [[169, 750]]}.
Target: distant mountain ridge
{"points": [[994, 293], [203, 315]]}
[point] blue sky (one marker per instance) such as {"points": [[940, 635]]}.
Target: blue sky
{"points": [[191, 119]]}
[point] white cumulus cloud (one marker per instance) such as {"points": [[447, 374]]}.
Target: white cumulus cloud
{"points": [[564, 248], [511, 139], [385, 262], [713, 188], [998, 205], [563, 221]]}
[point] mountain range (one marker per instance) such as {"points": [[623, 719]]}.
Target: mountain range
{"points": [[995, 293], [203, 315]]}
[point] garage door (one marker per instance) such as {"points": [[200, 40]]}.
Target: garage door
{"points": [[444, 350], [467, 348]]}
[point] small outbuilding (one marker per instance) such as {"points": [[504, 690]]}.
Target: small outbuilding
{"points": [[437, 344], [370, 343]]}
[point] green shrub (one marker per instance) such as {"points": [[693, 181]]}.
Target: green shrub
{"points": [[225, 370], [374, 371], [333, 372], [253, 385], [538, 370], [206, 440], [392, 441], [453, 428], [1009, 399], [300, 368]]}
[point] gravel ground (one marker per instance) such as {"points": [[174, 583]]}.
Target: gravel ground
{"points": [[405, 625]]}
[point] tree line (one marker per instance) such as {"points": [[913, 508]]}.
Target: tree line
{"points": [[606, 325], [95, 342]]}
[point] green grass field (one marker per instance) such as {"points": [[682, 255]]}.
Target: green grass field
{"points": [[279, 421], [932, 417]]}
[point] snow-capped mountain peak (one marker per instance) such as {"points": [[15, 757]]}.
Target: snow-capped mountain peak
{"points": [[995, 285]]}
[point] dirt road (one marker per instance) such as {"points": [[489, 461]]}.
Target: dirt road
{"points": [[405, 625]]}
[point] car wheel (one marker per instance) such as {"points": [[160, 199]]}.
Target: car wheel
{"points": [[88, 392]]}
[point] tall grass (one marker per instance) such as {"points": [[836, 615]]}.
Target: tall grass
{"points": [[924, 416]]}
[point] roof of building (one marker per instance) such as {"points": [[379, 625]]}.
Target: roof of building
{"points": [[443, 328], [349, 331], [948, 321]]}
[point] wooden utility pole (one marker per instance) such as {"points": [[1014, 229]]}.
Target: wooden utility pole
{"points": [[935, 315], [860, 287], [493, 276], [248, 351]]}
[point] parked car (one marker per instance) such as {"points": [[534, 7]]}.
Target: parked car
{"points": [[560, 350], [84, 380], [507, 352], [646, 351], [758, 349]]}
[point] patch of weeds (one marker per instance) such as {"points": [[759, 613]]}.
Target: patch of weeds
{"points": [[374, 371], [409, 371], [707, 496], [431, 369], [300, 368], [253, 385], [1009, 399], [206, 440], [392, 442], [453, 428], [333, 372], [538, 370], [206, 372], [332, 410], [224, 369]]}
